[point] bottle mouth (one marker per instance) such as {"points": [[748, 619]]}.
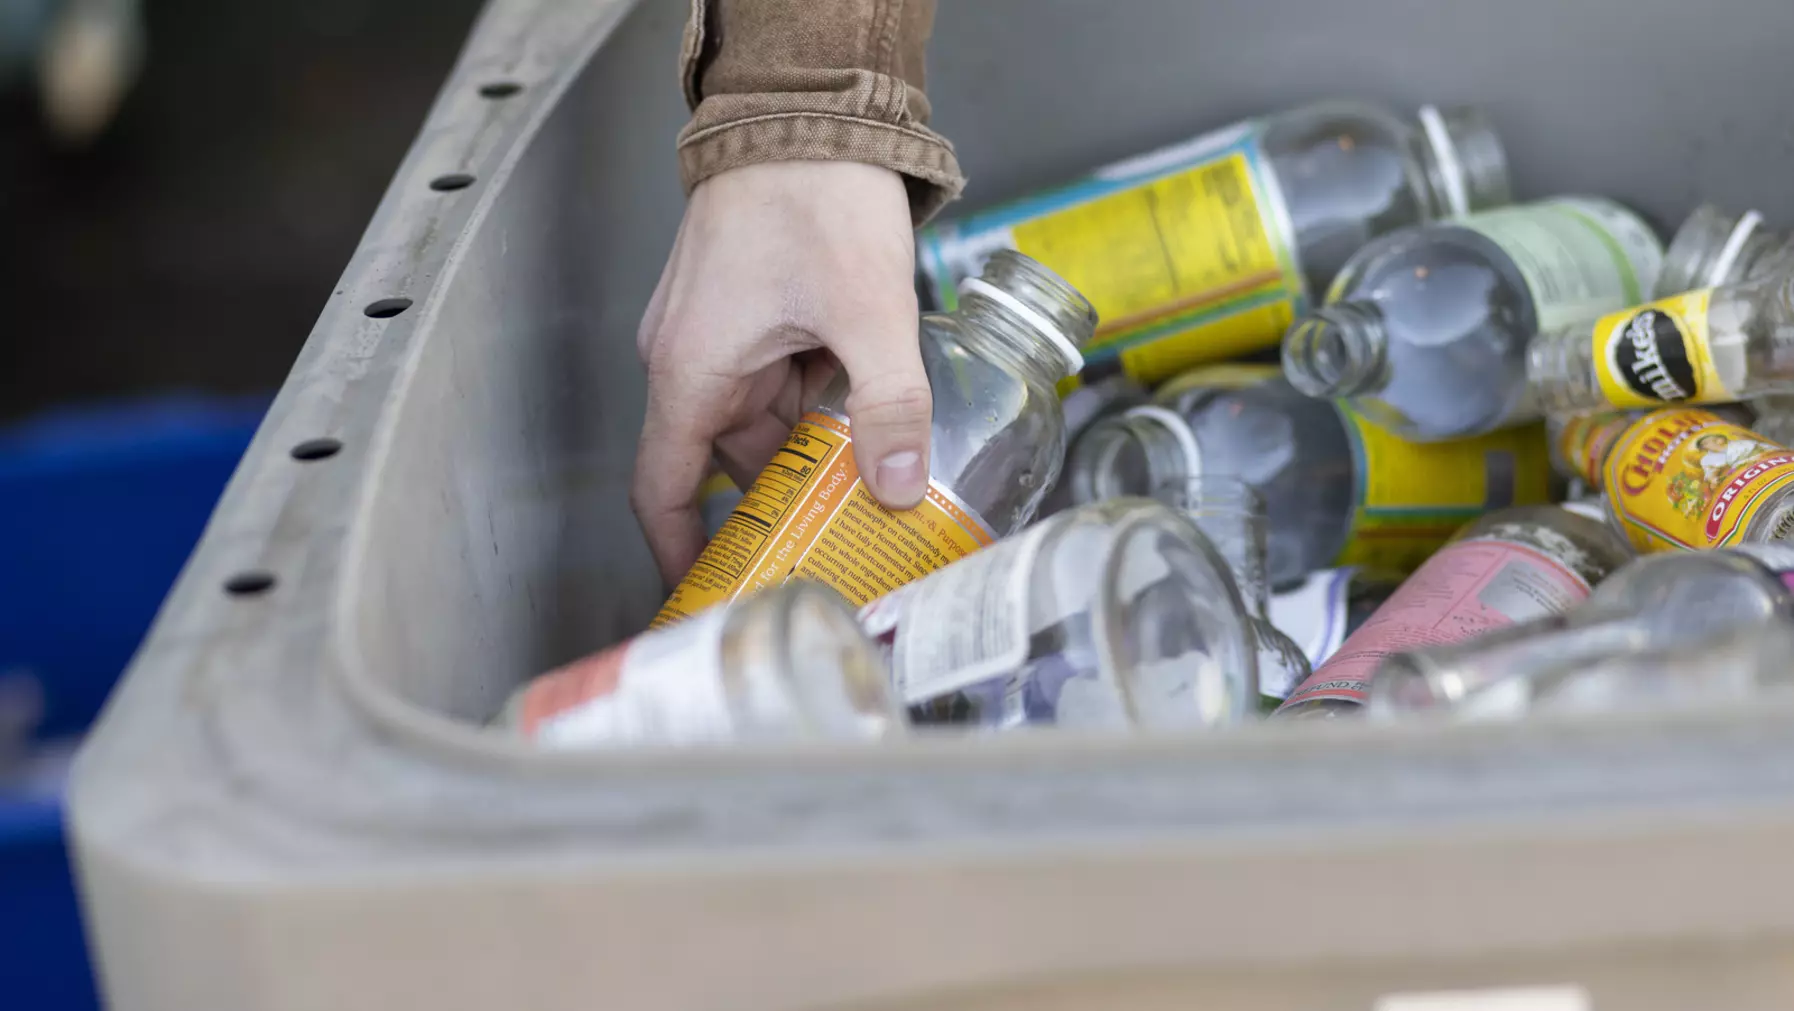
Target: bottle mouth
{"points": [[1334, 352], [1133, 455]]}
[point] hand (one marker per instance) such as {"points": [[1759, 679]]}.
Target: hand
{"points": [[780, 272]]}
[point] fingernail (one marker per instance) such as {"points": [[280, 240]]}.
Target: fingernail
{"points": [[900, 477]]}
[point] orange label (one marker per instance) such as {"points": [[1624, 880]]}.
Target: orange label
{"points": [[809, 516], [563, 689], [1685, 478], [1584, 441]]}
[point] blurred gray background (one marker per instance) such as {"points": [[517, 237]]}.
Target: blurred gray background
{"points": [[192, 242]]}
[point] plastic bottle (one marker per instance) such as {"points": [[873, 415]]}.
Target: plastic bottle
{"points": [[1425, 330], [1232, 516], [1115, 615], [787, 663], [1709, 346], [1506, 568], [1683, 477], [1655, 604], [1715, 247], [998, 441], [1338, 490], [1207, 249]]}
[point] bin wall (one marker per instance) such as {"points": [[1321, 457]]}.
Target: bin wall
{"points": [[287, 804]]}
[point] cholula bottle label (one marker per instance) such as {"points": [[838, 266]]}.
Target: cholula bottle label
{"points": [[1686, 478]]}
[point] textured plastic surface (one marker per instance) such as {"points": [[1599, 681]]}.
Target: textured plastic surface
{"points": [[285, 806]]}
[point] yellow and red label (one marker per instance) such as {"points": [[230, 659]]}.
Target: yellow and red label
{"points": [[1686, 478], [1659, 353], [810, 516], [1413, 496]]}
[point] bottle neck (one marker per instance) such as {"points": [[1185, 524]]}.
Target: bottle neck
{"points": [[1132, 455], [1029, 314], [1714, 247], [1462, 161], [997, 332], [1337, 351]]}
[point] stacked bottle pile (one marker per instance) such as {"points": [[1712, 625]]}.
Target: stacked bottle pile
{"points": [[1501, 466]]}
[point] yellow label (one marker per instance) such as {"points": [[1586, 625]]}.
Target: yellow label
{"points": [[1658, 353], [1686, 478], [1183, 269], [1412, 497], [809, 516], [1227, 336]]}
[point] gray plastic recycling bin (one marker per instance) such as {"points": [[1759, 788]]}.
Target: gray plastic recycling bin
{"points": [[289, 804]]}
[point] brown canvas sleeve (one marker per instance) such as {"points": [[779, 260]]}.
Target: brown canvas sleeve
{"points": [[833, 80]]}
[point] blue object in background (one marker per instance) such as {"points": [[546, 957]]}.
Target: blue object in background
{"points": [[99, 509]]}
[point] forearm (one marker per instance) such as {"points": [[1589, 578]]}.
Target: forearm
{"points": [[830, 80]]}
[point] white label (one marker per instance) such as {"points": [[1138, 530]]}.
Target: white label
{"points": [[669, 690], [965, 623], [1533, 998], [1314, 614], [1582, 257]]}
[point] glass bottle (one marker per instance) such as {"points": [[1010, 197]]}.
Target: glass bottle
{"points": [[1654, 604], [1504, 569], [1328, 605], [1715, 247], [787, 663], [998, 440], [1709, 346], [1337, 488], [1232, 516], [1206, 249], [1115, 615], [1425, 330], [1682, 477], [1083, 407]]}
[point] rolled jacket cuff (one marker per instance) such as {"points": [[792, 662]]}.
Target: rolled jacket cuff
{"points": [[923, 157]]}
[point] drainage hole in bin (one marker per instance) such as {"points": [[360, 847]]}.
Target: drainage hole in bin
{"points": [[387, 308], [248, 584], [500, 89], [452, 181], [316, 449]]}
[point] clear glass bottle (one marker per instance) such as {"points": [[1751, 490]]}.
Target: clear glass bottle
{"points": [[1682, 477], [1337, 488], [1206, 249], [998, 440], [1084, 406], [1507, 568], [1232, 516], [1327, 606], [788, 663], [1116, 615], [1425, 330], [1715, 247], [1709, 346], [1656, 603]]}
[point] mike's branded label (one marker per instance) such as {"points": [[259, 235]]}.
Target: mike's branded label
{"points": [[1660, 353]]}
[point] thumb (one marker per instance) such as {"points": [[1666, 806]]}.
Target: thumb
{"points": [[891, 408]]}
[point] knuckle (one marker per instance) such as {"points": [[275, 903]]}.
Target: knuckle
{"points": [[892, 402]]}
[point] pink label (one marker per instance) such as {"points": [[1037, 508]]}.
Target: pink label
{"points": [[1466, 589]]}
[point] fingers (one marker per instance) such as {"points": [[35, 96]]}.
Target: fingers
{"points": [[743, 452], [890, 406], [670, 465]]}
